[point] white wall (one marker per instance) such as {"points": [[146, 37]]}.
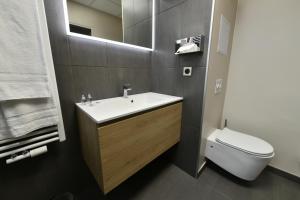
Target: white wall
{"points": [[263, 93], [218, 65], [103, 25]]}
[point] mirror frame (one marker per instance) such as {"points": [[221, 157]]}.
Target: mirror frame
{"points": [[66, 15]]}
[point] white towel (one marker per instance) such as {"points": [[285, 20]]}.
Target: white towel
{"points": [[20, 117], [4, 130], [23, 72], [187, 48]]}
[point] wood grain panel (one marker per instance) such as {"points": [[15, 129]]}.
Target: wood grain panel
{"points": [[90, 146], [128, 145]]}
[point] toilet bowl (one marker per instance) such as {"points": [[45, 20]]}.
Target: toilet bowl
{"points": [[240, 154]]}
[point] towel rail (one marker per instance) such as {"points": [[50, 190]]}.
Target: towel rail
{"points": [[34, 133], [21, 143], [18, 147], [2, 155]]}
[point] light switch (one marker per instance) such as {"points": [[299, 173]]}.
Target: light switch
{"points": [[218, 86]]}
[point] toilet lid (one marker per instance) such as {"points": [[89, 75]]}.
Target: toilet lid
{"points": [[246, 143]]}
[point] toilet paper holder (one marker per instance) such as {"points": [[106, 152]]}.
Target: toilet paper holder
{"points": [[189, 45]]}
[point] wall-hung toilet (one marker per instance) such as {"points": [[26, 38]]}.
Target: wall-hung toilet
{"points": [[240, 154]]}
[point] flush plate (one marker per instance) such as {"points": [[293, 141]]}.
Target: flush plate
{"points": [[218, 86]]}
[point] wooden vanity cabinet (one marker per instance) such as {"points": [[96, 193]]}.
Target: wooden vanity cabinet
{"points": [[117, 150]]}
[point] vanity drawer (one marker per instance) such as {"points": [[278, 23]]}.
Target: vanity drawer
{"points": [[128, 145]]}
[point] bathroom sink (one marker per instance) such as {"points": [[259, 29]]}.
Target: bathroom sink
{"points": [[108, 109]]}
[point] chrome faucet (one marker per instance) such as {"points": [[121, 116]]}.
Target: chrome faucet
{"points": [[126, 88]]}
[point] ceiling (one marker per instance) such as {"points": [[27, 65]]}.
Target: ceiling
{"points": [[113, 7]]}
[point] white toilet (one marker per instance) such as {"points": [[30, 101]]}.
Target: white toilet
{"points": [[240, 154]]}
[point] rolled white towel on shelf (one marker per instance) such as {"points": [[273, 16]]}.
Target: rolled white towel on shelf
{"points": [[187, 48]]}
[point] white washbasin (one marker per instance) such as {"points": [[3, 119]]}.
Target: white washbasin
{"points": [[108, 109]]}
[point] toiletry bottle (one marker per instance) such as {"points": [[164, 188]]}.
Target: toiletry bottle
{"points": [[90, 98], [83, 99]]}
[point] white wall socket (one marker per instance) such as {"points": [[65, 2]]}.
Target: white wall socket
{"points": [[219, 86], [187, 71]]}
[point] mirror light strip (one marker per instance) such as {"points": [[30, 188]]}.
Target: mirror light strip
{"points": [[106, 40], [153, 23]]}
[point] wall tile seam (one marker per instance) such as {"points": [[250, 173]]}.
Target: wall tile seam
{"points": [[69, 49], [107, 46], [165, 10], [197, 66], [162, 67], [191, 125], [110, 67], [61, 65], [73, 85], [140, 22], [179, 66], [73, 96], [103, 45], [194, 124]]}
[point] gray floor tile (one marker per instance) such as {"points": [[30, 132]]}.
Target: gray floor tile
{"points": [[286, 189], [162, 180], [208, 177]]}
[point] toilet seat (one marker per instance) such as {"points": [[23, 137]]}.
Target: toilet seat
{"points": [[246, 143], [240, 154]]}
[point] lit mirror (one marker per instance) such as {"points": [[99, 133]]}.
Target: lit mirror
{"points": [[123, 21]]}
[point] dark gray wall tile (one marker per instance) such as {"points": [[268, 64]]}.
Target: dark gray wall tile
{"points": [[189, 143], [128, 15], [120, 56], [167, 4], [137, 77], [168, 80], [154, 80], [168, 30], [141, 34], [60, 49], [141, 80], [142, 10], [197, 18], [93, 80], [137, 16], [66, 96], [195, 22], [193, 91], [119, 76], [193, 59], [57, 32], [129, 35], [178, 19], [86, 52]]}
